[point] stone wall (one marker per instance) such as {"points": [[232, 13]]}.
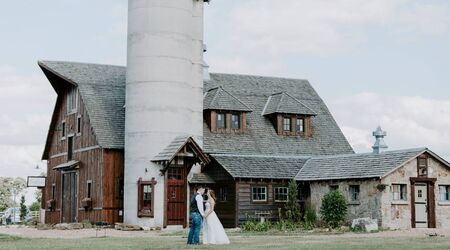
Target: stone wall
{"points": [[397, 214], [369, 197]]}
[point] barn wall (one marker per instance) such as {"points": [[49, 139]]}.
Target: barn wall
{"points": [[369, 204], [248, 209], [398, 214], [91, 158]]}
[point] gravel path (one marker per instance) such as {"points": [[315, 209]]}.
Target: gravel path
{"points": [[29, 232]]}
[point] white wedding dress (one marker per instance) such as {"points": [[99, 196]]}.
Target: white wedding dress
{"points": [[213, 232]]}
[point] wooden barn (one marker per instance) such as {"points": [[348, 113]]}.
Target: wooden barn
{"points": [[258, 134]]}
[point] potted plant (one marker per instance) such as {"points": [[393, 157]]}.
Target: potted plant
{"points": [[86, 203]]}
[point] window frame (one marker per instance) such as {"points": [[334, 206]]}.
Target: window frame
{"points": [[72, 100], [288, 119], [302, 125], [252, 194], [70, 147], [79, 125], [239, 126], [89, 189], [275, 194], [447, 193], [223, 194], [351, 192], [145, 211], [402, 192], [63, 130], [224, 115]]}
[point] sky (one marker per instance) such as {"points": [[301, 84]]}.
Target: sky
{"points": [[383, 62]]}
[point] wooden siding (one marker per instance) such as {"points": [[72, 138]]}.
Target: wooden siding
{"points": [[101, 167], [248, 209]]}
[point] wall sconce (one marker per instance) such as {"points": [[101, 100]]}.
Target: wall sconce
{"points": [[146, 170]]}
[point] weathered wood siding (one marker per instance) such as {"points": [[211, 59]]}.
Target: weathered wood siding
{"points": [[103, 168], [246, 208]]}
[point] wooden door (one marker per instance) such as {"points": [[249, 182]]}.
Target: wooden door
{"points": [[176, 196], [69, 197], [421, 205]]}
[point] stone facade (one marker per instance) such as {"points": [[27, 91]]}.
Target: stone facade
{"points": [[397, 214], [368, 205], [376, 203]]}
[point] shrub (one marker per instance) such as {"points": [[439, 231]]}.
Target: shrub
{"points": [[292, 207], [252, 226], [23, 208], [310, 217], [334, 208]]}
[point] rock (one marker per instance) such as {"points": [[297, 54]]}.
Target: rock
{"points": [[69, 226], [44, 226], [127, 227], [87, 225], [365, 224]]}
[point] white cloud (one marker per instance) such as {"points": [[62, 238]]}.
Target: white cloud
{"points": [[410, 121], [272, 31], [26, 103]]}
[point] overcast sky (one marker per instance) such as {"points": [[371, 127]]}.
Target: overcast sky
{"points": [[383, 62]]}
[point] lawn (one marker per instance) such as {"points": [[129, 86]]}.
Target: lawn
{"points": [[239, 241]]}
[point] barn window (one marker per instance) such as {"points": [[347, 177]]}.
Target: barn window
{"points": [[235, 121], [89, 189], [444, 193], [280, 194], [146, 197], [63, 129], [259, 193], [286, 124], [299, 127], [354, 192], [399, 192], [70, 148], [422, 166], [53, 191], [221, 123], [72, 100], [79, 125], [223, 194]]}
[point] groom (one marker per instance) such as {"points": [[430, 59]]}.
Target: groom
{"points": [[197, 214]]}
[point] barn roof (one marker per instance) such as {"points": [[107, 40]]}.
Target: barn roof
{"points": [[102, 88], [260, 166], [220, 99], [286, 104], [355, 166]]}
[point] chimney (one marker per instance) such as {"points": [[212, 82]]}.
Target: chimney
{"points": [[379, 146]]}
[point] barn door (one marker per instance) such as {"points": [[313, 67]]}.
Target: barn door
{"points": [[69, 197], [176, 196], [421, 205]]}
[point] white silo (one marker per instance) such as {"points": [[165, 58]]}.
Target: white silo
{"points": [[164, 90]]}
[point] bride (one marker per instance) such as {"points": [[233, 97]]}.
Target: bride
{"points": [[213, 232]]}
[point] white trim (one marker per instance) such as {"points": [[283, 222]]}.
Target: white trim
{"points": [[265, 106], [58, 155], [86, 149]]}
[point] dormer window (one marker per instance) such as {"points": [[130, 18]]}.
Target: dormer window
{"points": [[289, 116], [225, 113], [286, 124], [299, 125], [221, 122], [235, 121]]}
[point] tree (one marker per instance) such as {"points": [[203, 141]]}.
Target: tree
{"points": [[292, 207], [10, 188], [23, 208], [334, 208]]}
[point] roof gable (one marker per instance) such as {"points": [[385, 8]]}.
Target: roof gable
{"points": [[176, 146], [220, 99], [283, 103]]}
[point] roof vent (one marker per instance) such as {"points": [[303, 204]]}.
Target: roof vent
{"points": [[379, 146]]}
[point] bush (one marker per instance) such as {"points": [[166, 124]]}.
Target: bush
{"points": [[292, 207], [334, 208], [252, 226], [310, 217]]}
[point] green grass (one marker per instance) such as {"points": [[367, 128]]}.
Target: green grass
{"points": [[239, 241]]}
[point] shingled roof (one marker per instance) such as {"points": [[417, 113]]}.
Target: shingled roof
{"points": [[260, 166], [220, 99], [355, 166], [102, 88], [284, 103]]}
